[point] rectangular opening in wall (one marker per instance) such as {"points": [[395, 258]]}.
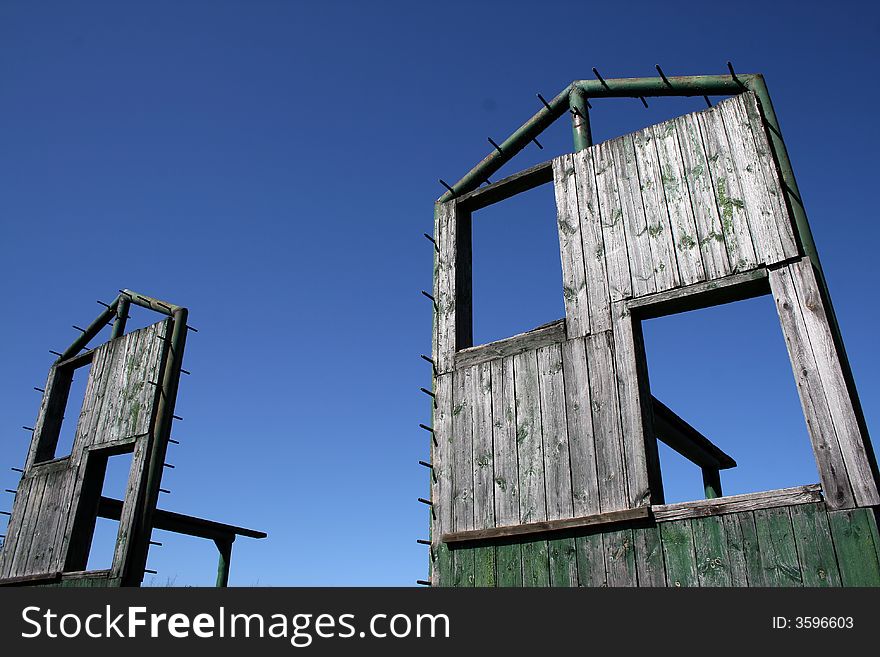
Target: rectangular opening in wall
{"points": [[93, 539], [517, 272], [724, 377], [67, 393]]}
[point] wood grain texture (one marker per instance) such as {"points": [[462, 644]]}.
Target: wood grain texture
{"points": [[480, 395], [779, 559], [548, 334], [710, 236], [590, 552], [582, 446], [766, 162], [620, 563], [679, 554], [638, 244], [554, 432], [663, 256], [504, 444], [571, 250], [728, 194], [462, 444], [710, 547], [595, 266], [815, 549], [613, 226], [607, 429], [854, 445], [563, 562], [735, 503], [443, 455], [814, 402], [529, 439], [445, 286], [678, 204], [853, 532], [650, 569]]}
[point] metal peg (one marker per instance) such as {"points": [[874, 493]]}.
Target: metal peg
{"points": [[537, 143], [426, 464], [497, 147], [708, 102], [17, 470], [27, 428], [430, 296], [423, 582], [39, 389], [156, 543], [422, 541], [424, 501], [173, 442], [663, 75], [600, 78], [443, 182], [546, 104], [167, 465]]}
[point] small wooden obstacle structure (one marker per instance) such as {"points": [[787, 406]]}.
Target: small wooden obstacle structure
{"points": [[128, 408], [545, 466]]}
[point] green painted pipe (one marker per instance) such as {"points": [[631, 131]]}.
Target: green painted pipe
{"points": [[122, 309], [580, 119], [224, 562], [91, 331]]}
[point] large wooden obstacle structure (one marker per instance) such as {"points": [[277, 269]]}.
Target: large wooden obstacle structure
{"points": [[545, 466], [128, 408]]}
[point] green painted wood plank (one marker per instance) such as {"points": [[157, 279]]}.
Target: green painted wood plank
{"points": [[815, 548], [620, 561], [563, 562], [854, 544], [650, 569], [779, 559], [739, 547], [508, 565], [710, 545], [484, 566], [536, 564], [444, 566], [590, 560], [463, 567], [678, 553]]}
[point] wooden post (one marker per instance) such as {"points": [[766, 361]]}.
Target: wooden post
{"points": [[224, 547]]}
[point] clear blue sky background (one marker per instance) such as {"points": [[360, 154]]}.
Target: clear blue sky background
{"points": [[272, 166]]}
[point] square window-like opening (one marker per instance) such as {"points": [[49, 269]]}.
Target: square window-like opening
{"points": [[96, 526], [67, 393], [724, 372], [517, 272]]}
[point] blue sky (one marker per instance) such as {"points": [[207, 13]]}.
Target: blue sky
{"points": [[272, 166]]}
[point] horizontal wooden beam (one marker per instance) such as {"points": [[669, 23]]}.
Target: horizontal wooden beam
{"points": [[548, 526], [735, 503], [737, 287], [673, 431], [548, 334], [181, 524], [41, 578], [523, 181]]}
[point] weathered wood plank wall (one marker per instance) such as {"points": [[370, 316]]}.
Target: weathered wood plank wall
{"points": [[117, 416], [798, 545], [557, 423]]}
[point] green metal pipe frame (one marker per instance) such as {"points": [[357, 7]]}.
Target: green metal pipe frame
{"points": [[224, 562]]}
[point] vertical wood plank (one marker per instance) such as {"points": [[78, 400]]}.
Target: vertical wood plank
{"points": [[574, 284], [508, 565], [620, 563], [529, 439], [563, 562], [779, 558], [650, 569], [737, 549], [557, 463], [854, 446], [678, 553], [826, 448], [815, 548], [46, 524], [593, 242], [504, 443], [443, 455], [641, 260], [444, 285], [20, 560], [484, 566], [766, 162], [699, 183], [639, 446], [665, 264], [678, 204], [607, 428], [613, 227], [584, 478], [591, 560], [755, 195], [14, 532], [710, 544], [462, 431], [728, 195], [463, 567], [855, 548], [481, 396], [536, 563]]}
